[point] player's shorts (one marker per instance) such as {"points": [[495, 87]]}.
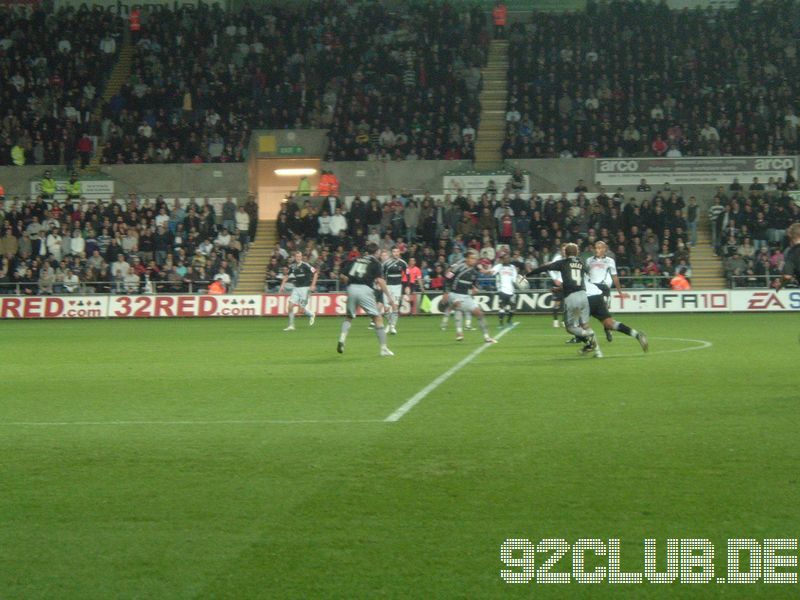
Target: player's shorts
{"points": [[605, 289], [598, 307], [299, 296], [361, 295], [576, 309], [506, 299], [397, 293], [378, 296], [462, 302]]}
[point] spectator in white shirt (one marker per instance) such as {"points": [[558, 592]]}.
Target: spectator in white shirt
{"points": [[77, 245], [71, 282], [223, 239], [54, 244], [162, 218], [108, 45], [673, 152], [243, 222], [387, 138], [338, 222], [119, 271], [468, 131], [206, 247]]}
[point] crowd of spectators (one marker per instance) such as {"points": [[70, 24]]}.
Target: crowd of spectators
{"points": [[648, 238], [52, 68], [748, 228], [638, 79], [390, 82], [138, 245]]}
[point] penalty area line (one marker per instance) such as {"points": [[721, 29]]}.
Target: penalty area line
{"points": [[420, 395]]}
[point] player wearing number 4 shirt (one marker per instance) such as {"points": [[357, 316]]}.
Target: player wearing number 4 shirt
{"points": [[576, 302], [304, 278], [460, 282], [360, 276]]}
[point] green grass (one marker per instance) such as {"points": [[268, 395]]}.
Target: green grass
{"points": [[529, 440]]}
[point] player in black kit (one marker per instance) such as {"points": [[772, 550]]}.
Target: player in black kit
{"points": [[360, 276], [460, 282], [576, 303], [393, 268]]}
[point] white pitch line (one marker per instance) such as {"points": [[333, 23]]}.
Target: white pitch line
{"points": [[420, 395], [224, 422]]}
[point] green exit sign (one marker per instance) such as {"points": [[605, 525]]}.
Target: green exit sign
{"points": [[291, 150]]}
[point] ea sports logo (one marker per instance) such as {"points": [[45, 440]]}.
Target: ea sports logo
{"points": [[618, 166], [774, 164]]}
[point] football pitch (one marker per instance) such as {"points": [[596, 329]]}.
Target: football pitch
{"points": [[226, 458]]}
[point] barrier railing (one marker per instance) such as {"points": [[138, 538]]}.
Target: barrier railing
{"points": [[753, 281], [89, 288]]}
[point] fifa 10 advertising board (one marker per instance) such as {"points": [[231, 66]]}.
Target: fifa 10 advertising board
{"points": [[335, 304]]}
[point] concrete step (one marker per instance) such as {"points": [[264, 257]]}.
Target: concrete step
{"points": [[494, 105]]}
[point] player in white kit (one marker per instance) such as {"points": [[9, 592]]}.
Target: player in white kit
{"points": [[506, 277], [603, 272]]}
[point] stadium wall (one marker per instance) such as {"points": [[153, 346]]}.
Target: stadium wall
{"points": [[334, 304], [149, 180], [699, 177]]}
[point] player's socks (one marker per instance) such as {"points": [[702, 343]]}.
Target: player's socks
{"points": [[459, 318], [381, 333], [483, 326], [291, 317], [311, 317], [445, 318], [345, 329], [625, 329], [500, 314], [509, 316]]}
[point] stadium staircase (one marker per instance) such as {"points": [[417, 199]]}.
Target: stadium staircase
{"points": [[492, 128], [120, 74], [707, 272], [254, 265]]}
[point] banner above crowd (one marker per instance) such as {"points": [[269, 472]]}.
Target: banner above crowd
{"points": [[477, 184], [706, 170], [335, 304]]}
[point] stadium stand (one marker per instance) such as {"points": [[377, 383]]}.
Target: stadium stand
{"points": [[649, 238], [596, 83], [749, 229], [132, 246], [374, 76], [53, 67]]}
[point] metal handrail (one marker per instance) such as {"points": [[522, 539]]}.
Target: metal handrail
{"points": [[753, 281], [543, 282]]}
